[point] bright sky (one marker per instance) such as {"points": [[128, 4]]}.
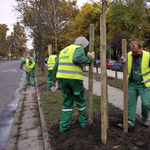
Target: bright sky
{"points": [[8, 17]]}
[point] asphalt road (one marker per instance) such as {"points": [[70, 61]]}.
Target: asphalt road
{"points": [[11, 82]]}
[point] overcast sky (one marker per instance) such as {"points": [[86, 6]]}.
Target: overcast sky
{"points": [[8, 17]]}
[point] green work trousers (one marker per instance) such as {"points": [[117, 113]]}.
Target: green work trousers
{"points": [[28, 78], [73, 91], [49, 79], [133, 91]]}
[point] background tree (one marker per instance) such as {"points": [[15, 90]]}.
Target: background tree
{"points": [[79, 26], [3, 47], [116, 44], [57, 15], [126, 17], [30, 14], [19, 39]]}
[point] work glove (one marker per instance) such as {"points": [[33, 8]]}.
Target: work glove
{"points": [[54, 88], [21, 66], [92, 54], [57, 85], [123, 60]]}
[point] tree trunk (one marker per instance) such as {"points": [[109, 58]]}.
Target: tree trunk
{"points": [[55, 41], [42, 61]]}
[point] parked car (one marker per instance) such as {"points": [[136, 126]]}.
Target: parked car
{"points": [[22, 58], [96, 62], [109, 63], [117, 66]]}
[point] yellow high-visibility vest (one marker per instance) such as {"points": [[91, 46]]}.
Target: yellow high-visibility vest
{"points": [[29, 67], [67, 69], [51, 62], [145, 69]]}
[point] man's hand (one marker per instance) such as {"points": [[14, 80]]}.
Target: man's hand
{"points": [[21, 66], [123, 60], [92, 54], [34, 74]]}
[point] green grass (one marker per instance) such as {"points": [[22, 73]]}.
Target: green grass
{"points": [[51, 102], [117, 83]]}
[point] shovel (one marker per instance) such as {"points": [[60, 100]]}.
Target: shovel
{"points": [[32, 75]]}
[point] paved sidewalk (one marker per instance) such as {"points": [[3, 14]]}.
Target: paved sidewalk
{"points": [[110, 72], [115, 96], [27, 131]]}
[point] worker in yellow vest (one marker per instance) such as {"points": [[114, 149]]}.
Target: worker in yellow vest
{"points": [[50, 63], [30, 70], [138, 82], [68, 70]]}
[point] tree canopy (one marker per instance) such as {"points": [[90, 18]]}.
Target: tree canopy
{"points": [[19, 39], [3, 46]]}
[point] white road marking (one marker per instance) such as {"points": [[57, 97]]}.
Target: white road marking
{"points": [[10, 70]]}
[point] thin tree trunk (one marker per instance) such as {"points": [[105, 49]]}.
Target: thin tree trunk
{"points": [[55, 41], [42, 61]]}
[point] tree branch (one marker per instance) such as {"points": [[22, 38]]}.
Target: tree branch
{"points": [[95, 4], [109, 4]]}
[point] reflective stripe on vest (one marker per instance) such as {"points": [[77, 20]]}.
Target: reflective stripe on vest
{"points": [[71, 64], [145, 69], [67, 69], [29, 67], [51, 62]]}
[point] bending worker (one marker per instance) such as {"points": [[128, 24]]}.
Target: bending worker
{"points": [[30, 70], [51, 62], [69, 69], [138, 82]]}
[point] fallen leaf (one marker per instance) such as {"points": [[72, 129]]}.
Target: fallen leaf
{"points": [[95, 146], [117, 146]]}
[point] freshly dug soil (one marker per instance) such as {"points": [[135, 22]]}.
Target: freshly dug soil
{"points": [[89, 138]]}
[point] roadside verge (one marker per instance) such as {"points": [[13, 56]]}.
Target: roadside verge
{"points": [[46, 140]]}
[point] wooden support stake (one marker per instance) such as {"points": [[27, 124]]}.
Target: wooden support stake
{"points": [[116, 73], [91, 49], [96, 69], [125, 86], [104, 117], [50, 49]]}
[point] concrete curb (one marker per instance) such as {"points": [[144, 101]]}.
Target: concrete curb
{"points": [[46, 140]]}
